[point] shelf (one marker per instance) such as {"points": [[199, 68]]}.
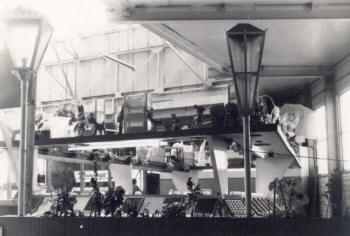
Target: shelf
{"points": [[180, 134], [268, 144], [140, 167], [70, 160], [152, 168], [267, 140]]}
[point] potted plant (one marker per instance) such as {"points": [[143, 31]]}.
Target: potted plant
{"points": [[288, 195]]}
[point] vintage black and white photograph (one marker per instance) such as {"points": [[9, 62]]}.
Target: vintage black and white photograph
{"points": [[174, 117]]}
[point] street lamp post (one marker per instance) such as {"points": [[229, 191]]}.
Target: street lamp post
{"points": [[245, 46], [27, 35]]}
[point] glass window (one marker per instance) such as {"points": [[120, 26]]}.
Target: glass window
{"points": [[321, 142], [3, 175], [344, 102]]}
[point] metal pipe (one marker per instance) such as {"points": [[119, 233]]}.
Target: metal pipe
{"points": [[120, 61], [274, 200], [246, 146], [22, 148]]}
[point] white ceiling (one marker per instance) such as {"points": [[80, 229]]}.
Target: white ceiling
{"points": [[283, 87], [293, 41], [288, 43]]}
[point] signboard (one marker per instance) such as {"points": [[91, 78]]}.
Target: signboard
{"points": [[102, 176]]}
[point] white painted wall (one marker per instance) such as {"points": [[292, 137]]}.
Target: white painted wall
{"points": [[267, 169], [121, 175]]}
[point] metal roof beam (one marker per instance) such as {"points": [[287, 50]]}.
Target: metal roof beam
{"points": [[118, 60], [206, 82], [285, 72], [288, 72], [64, 73], [295, 71], [188, 46], [100, 55], [243, 11]]}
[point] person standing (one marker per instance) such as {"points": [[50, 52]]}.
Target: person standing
{"points": [[135, 187]]}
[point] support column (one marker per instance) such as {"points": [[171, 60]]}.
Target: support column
{"points": [[246, 147], [22, 148], [160, 85], [144, 177], [30, 138], [218, 148], [331, 115], [82, 183], [110, 184], [334, 162], [308, 96]]}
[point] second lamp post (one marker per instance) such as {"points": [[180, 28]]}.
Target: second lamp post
{"points": [[27, 35], [245, 46]]}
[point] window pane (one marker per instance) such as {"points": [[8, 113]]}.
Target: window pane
{"points": [[346, 150], [320, 120], [321, 142], [345, 111], [344, 101]]}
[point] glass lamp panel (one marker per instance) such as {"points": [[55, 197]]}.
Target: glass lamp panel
{"points": [[20, 37], [245, 91], [245, 38], [44, 39], [236, 46], [254, 47]]}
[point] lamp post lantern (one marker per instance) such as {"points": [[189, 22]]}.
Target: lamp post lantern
{"points": [[245, 47], [26, 35]]}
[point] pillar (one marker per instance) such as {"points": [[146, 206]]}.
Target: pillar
{"points": [[334, 162], [218, 148]]}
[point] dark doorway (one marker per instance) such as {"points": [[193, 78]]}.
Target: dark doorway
{"points": [[153, 184]]}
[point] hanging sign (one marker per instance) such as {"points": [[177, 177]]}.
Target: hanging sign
{"points": [[102, 176]]}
